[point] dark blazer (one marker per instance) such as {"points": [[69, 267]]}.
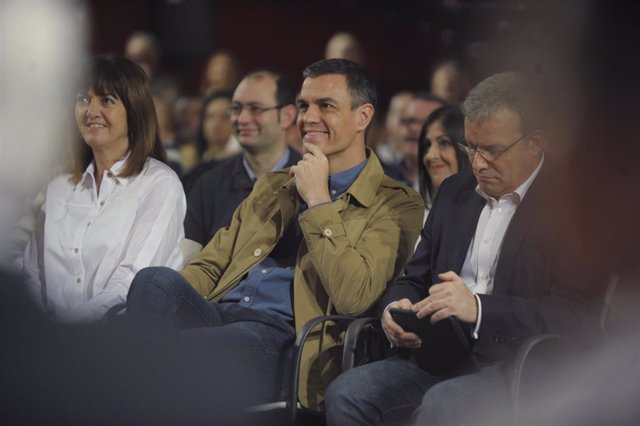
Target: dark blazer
{"points": [[216, 195], [542, 282]]}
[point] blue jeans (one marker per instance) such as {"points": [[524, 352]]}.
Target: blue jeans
{"points": [[389, 391], [234, 346]]}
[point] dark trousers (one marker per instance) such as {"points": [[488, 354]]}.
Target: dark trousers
{"points": [[233, 347], [388, 392]]}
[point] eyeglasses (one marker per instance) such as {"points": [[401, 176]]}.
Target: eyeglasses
{"points": [[235, 109], [490, 154]]}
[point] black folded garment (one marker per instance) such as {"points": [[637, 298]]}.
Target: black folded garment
{"points": [[446, 345]]}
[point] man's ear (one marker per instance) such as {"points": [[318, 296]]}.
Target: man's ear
{"points": [[364, 116], [536, 143], [288, 115]]}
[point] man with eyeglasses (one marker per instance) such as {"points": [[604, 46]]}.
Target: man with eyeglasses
{"points": [[498, 253], [261, 112], [322, 237]]}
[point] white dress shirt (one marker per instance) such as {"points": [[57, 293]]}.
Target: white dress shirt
{"points": [[478, 270], [95, 242]]}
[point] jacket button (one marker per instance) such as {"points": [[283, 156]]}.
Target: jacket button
{"points": [[257, 252], [327, 232]]}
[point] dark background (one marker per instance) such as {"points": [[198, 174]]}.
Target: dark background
{"points": [[402, 39]]}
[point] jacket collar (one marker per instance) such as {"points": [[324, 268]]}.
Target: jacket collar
{"points": [[366, 185]]}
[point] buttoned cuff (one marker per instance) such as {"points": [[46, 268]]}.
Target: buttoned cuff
{"points": [[318, 205], [322, 219], [479, 319]]}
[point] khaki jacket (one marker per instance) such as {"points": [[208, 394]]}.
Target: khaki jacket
{"points": [[350, 250]]}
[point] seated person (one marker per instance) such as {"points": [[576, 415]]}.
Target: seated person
{"points": [[122, 207], [324, 236], [215, 140], [412, 119], [260, 112], [439, 150], [498, 253]]}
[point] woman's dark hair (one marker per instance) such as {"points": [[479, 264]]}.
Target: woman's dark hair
{"points": [[202, 142], [452, 121], [120, 77]]}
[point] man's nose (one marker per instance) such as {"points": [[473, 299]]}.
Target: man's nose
{"points": [[244, 116], [478, 162], [310, 115]]}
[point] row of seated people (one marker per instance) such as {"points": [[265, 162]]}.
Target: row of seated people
{"points": [[274, 239], [196, 130]]}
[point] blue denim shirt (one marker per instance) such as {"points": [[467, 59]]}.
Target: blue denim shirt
{"points": [[267, 287]]}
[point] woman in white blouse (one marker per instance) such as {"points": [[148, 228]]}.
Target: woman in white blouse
{"points": [[120, 210]]}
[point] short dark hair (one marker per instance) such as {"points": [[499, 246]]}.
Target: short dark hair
{"points": [[361, 86], [121, 77], [452, 121], [285, 93]]}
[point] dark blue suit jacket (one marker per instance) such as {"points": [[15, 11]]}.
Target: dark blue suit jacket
{"points": [[216, 195], [542, 282]]}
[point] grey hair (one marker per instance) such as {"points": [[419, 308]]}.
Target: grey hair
{"points": [[507, 90]]}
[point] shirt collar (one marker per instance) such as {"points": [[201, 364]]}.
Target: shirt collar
{"points": [[341, 181], [520, 192], [111, 173], [280, 164]]}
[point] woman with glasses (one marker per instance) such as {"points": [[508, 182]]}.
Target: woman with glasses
{"points": [[119, 210], [439, 151]]}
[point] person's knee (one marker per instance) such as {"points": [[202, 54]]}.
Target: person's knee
{"points": [[150, 279], [441, 404], [340, 392]]}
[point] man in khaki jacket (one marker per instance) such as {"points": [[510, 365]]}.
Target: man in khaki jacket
{"points": [[325, 236]]}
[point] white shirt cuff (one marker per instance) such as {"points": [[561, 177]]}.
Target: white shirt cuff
{"points": [[479, 319], [391, 344]]}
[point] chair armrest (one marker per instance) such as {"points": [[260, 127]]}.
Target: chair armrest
{"points": [[523, 355], [351, 340], [301, 338]]}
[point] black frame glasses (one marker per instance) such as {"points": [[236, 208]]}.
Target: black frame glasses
{"points": [[492, 155], [235, 109]]}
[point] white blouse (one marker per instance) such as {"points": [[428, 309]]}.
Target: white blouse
{"points": [[94, 244]]}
